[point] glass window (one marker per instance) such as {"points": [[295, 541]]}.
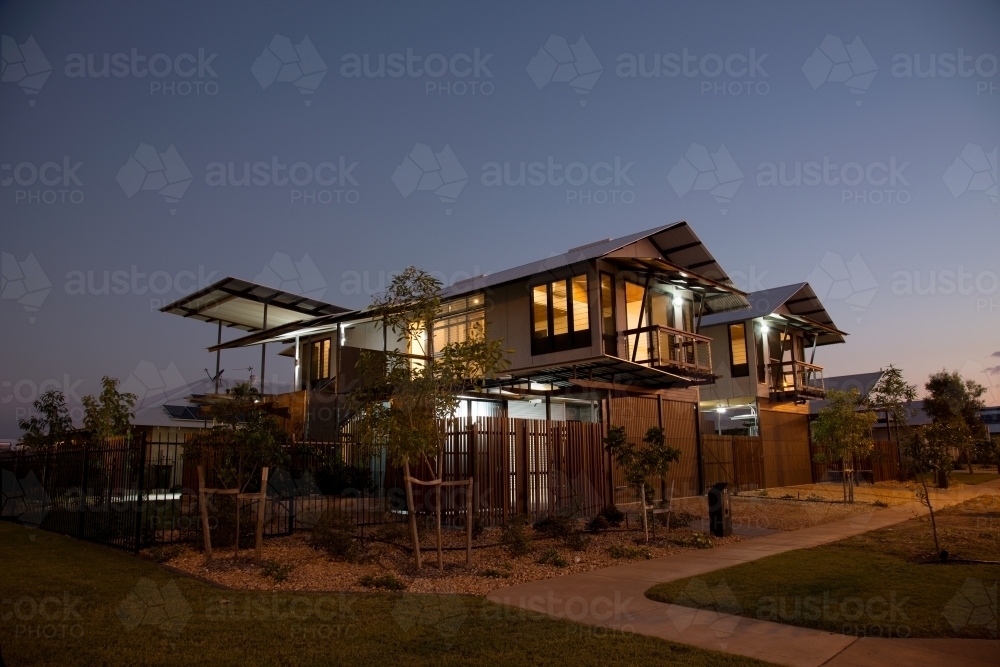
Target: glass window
{"points": [[633, 304], [738, 350], [560, 308], [321, 359], [540, 308], [457, 328], [607, 304], [581, 304], [759, 345]]}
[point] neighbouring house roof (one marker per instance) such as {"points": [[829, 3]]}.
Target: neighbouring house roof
{"points": [[240, 304], [797, 302], [174, 407], [863, 382]]}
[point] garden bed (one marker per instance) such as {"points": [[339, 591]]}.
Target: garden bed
{"points": [[297, 566]]}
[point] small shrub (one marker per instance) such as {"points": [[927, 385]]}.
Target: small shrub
{"points": [[552, 557], [335, 533], [514, 537], [815, 497], [681, 519], [477, 528], [788, 496], [277, 571], [762, 493], [387, 582], [577, 540], [598, 524], [619, 551], [393, 531], [880, 503], [164, 554], [494, 574], [614, 515], [555, 525], [696, 540]]}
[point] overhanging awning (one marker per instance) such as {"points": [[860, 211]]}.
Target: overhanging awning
{"points": [[240, 304], [604, 369]]}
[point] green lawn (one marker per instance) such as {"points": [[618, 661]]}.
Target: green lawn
{"points": [[66, 602], [878, 583]]}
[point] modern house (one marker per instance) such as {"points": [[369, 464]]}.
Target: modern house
{"points": [[634, 331]]}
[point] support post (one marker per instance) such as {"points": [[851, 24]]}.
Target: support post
{"points": [[262, 499], [140, 487], [470, 518], [412, 512], [218, 357], [437, 508], [203, 508], [263, 357]]}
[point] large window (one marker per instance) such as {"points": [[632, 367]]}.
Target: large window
{"points": [[459, 318], [738, 363], [609, 325], [320, 360], [560, 315]]}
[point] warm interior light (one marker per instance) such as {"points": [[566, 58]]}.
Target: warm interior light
{"points": [[720, 410], [678, 301]]}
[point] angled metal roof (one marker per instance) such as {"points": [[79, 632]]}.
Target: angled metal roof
{"points": [[679, 251], [797, 302], [240, 304]]}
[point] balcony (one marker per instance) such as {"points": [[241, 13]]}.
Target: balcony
{"points": [[792, 380], [670, 350]]}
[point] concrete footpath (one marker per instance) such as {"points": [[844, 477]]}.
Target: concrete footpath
{"points": [[614, 598]]}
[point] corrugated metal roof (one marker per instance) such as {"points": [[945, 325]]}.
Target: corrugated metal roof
{"points": [[800, 304]]}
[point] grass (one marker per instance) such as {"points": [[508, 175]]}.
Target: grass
{"points": [[881, 583], [103, 607]]}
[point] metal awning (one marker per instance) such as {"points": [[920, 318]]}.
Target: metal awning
{"points": [[240, 304], [604, 369]]}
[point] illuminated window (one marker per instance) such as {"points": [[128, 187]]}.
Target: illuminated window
{"points": [[738, 350], [560, 315], [321, 359], [459, 318]]}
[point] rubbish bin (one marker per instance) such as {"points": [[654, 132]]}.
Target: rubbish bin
{"points": [[720, 517]]}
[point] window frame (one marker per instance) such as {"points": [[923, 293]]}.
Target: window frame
{"points": [[570, 340], [738, 370]]}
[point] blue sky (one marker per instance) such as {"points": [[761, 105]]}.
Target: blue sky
{"points": [[904, 254]]}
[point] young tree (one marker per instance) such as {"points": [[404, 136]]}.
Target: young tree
{"points": [[639, 464], [48, 429], [110, 414], [405, 400], [244, 439], [957, 402], [928, 451], [844, 431], [893, 397]]}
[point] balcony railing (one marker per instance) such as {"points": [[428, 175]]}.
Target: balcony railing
{"points": [[669, 349], [797, 378]]}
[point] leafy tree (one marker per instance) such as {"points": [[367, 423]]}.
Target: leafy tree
{"points": [[929, 451], [957, 402], [50, 426], [110, 414], [893, 397], [844, 431], [405, 400], [245, 439], [640, 463]]}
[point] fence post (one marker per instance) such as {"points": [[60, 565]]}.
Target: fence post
{"points": [[85, 479], [139, 489], [473, 455]]}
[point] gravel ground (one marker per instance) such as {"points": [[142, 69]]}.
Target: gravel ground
{"points": [[492, 566]]}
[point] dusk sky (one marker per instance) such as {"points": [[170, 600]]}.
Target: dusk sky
{"points": [[853, 146]]}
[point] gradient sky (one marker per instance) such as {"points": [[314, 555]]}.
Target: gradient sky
{"points": [[905, 245]]}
